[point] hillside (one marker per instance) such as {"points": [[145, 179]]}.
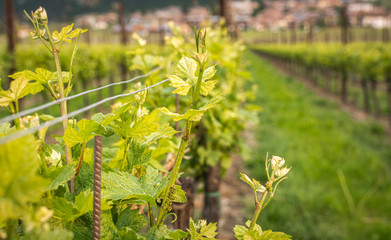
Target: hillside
{"points": [[67, 9]]}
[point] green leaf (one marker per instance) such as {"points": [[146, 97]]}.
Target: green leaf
{"points": [[76, 32], [252, 235], [242, 232], [182, 87], [186, 68], [128, 233], [44, 76], [193, 114], [254, 184], [71, 137], [207, 87], [63, 209], [239, 231], [269, 235], [20, 184], [258, 187], [130, 218], [201, 230], [179, 195], [86, 131], [6, 97], [148, 129], [68, 211], [6, 128], [125, 186], [247, 180], [84, 202], [209, 73], [47, 234], [66, 76], [157, 232], [17, 86], [31, 88], [61, 176], [26, 74], [108, 229], [138, 155], [177, 234], [63, 34]]}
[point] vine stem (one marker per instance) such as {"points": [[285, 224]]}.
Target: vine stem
{"points": [[150, 215], [182, 147], [258, 210], [126, 150], [63, 105], [17, 121], [175, 171], [81, 160]]}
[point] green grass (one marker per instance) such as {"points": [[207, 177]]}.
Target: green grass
{"points": [[317, 139]]}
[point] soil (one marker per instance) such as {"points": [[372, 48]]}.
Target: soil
{"points": [[235, 195]]}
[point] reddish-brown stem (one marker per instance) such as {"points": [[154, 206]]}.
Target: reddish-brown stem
{"points": [[80, 161]]}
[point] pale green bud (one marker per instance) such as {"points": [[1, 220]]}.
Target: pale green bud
{"points": [[40, 14]]}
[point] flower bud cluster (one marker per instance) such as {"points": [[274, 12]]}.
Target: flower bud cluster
{"points": [[278, 168], [40, 14]]}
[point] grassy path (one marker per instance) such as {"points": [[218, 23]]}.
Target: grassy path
{"points": [[324, 145]]}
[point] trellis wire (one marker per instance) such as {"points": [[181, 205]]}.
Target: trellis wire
{"points": [[25, 132], [49, 104]]}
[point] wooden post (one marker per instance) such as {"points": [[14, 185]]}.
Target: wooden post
{"points": [[293, 32], [310, 35], [184, 211], [212, 180], [344, 24], [122, 23], [124, 41], [11, 33], [161, 32], [385, 35], [224, 12], [326, 34]]}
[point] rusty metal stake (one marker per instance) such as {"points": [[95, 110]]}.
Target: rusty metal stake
{"points": [[97, 186]]}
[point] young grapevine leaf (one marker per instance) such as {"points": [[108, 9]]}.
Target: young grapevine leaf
{"points": [[254, 184], [123, 185], [149, 128], [108, 229], [193, 114], [243, 233], [19, 88], [187, 68], [60, 176], [179, 195], [138, 155], [182, 87], [86, 130], [5, 128], [130, 218], [201, 230], [68, 211], [20, 184], [269, 235], [208, 86]]}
